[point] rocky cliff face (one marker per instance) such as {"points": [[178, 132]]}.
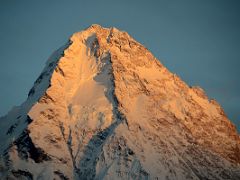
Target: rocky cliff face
{"points": [[105, 108]]}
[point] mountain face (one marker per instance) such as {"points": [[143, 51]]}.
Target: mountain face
{"points": [[105, 108]]}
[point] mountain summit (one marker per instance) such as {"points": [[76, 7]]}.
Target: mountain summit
{"points": [[105, 108]]}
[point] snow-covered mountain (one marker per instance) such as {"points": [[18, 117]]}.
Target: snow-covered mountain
{"points": [[105, 108]]}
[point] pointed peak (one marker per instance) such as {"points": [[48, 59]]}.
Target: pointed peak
{"points": [[105, 93], [97, 27]]}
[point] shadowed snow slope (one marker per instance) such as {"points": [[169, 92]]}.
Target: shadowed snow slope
{"points": [[105, 108]]}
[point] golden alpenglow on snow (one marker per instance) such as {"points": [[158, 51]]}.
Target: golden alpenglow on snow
{"points": [[105, 108]]}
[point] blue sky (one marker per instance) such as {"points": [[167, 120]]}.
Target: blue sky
{"points": [[197, 39]]}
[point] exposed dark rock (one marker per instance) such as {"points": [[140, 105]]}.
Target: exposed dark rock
{"points": [[28, 120], [26, 149], [61, 175], [20, 174], [11, 128], [31, 92]]}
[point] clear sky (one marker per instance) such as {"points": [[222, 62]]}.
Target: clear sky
{"points": [[197, 39]]}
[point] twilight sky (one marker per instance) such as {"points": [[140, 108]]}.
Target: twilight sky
{"points": [[197, 39]]}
